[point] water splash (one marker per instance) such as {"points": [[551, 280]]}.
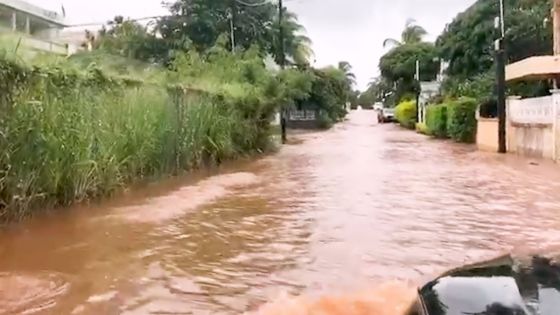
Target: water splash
{"points": [[389, 299]]}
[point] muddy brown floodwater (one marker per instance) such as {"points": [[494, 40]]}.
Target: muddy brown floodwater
{"points": [[340, 212]]}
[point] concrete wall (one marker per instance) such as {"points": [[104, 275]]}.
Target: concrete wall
{"points": [[531, 140], [487, 134], [530, 128], [302, 124], [303, 119]]}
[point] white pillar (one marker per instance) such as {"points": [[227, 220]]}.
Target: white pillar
{"points": [[510, 99], [14, 21], [27, 25], [555, 124]]}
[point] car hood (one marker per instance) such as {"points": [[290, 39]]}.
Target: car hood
{"points": [[507, 285]]}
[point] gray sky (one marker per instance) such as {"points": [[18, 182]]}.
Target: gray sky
{"points": [[351, 30]]}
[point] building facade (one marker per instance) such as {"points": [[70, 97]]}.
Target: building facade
{"points": [[37, 28]]}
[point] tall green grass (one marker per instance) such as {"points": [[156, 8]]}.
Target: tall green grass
{"points": [[67, 137]]}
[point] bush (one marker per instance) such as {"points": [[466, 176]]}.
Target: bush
{"points": [[324, 121], [436, 120], [69, 135], [461, 120], [405, 113], [422, 128]]}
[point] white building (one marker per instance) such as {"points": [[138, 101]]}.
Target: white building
{"points": [[38, 28]]}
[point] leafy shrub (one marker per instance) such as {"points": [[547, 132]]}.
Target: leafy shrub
{"points": [[436, 120], [461, 120], [422, 128], [69, 135], [324, 121], [405, 113]]}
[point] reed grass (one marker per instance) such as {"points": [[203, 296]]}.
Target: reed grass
{"points": [[68, 136]]}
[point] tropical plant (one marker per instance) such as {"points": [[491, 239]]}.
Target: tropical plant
{"points": [[297, 45], [467, 42], [405, 113], [398, 67], [461, 120], [411, 34], [255, 24], [130, 39], [346, 68]]}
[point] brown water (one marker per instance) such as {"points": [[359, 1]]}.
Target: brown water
{"points": [[333, 215]]}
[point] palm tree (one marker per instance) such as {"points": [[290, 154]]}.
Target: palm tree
{"points": [[296, 44], [346, 67], [411, 34]]}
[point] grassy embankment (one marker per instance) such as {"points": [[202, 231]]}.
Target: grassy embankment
{"points": [[72, 130]]}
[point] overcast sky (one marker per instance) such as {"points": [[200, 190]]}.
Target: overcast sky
{"points": [[351, 30]]}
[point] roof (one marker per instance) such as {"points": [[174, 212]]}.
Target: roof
{"points": [[534, 68], [34, 10]]}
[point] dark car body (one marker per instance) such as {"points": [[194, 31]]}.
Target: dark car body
{"points": [[504, 286]]}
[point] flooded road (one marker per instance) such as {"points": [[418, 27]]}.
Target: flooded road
{"points": [[339, 212]]}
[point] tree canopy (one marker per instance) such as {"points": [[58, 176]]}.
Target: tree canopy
{"points": [[411, 34], [467, 42], [200, 24]]}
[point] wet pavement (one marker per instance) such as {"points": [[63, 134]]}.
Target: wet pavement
{"points": [[338, 212]]}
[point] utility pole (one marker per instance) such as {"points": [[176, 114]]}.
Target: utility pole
{"points": [[556, 23], [501, 80], [232, 25], [281, 39], [282, 56], [417, 77], [556, 32]]}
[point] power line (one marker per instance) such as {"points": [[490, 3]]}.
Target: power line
{"points": [[258, 4], [127, 20]]}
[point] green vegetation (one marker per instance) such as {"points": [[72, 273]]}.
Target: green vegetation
{"points": [[405, 113], [466, 43], [453, 119], [422, 128], [436, 120], [412, 34], [68, 135], [461, 120], [142, 106]]}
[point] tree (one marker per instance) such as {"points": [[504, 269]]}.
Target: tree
{"points": [[467, 42], [296, 44], [398, 67], [129, 39], [377, 90], [329, 93], [199, 23], [411, 34], [346, 68]]}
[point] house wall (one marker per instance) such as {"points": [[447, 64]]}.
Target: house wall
{"points": [[531, 140], [28, 8], [531, 128], [487, 134]]}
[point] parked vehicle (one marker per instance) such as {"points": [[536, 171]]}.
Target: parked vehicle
{"points": [[386, 115]]}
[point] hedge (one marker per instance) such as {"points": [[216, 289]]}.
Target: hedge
{"points": [[461, 120], [436, 120], [405, 113]]}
